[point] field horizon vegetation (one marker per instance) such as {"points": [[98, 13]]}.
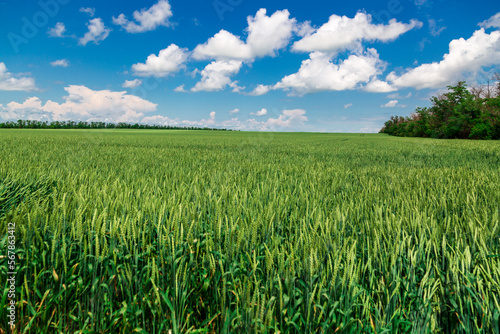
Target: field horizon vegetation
{"points": [[122, 231], [461, 113], [83, 125]]}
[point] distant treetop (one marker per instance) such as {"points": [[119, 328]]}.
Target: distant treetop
{"points": [[29, 124], [462, 112]]}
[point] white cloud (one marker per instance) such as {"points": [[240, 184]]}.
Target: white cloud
{"points": [[168, 61], [98, 32], [88, 10], [235, 87], [12, 82], [304, 29], [396, 96], [347, 106], [266, 35], [232, 123], [261, 112], [434, 29], [180, 89], [29, 103], [85, 104], [378, 86], [392, 104], [216, 75], [132, 83], [158, 119], [288, 118], [343, 33], [147, 19], [223, 45], [464, 56], [60, 63], [57, 31], [202, 123], [28, 110], [492, 22], [260, 90], [234, 111], [319, 73]]}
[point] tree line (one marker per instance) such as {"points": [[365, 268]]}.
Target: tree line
{"points": [[32, 124], [462, 112]]}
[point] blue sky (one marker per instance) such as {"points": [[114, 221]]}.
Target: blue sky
{"points": [[249, 65]]}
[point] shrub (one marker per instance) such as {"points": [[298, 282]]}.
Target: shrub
{"points": [[455, 114]]}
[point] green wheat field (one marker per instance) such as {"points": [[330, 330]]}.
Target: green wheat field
{"points": [[150, 231]]}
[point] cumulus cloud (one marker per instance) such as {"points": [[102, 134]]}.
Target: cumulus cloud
{"points": [[85, 104], [60, 63], [212, 116], [234, 111], [29, 103], [88, 10], [223, 45], [180, 89], [304, 29], [232, 123], [396, 96], [132, 83], [261, 112], [217, 75], [236, 88], [464, 56], [158, 119], [260, 90], [210, 122], [98, 32], [358, 71], [492, 22], [392, 104], [378, 86], [146, 19], [57, 31], [319, 73], [12, 82], [266, 35], [347, 106], [288, 118], [168, 61], [343, 33], [30, 109]]}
